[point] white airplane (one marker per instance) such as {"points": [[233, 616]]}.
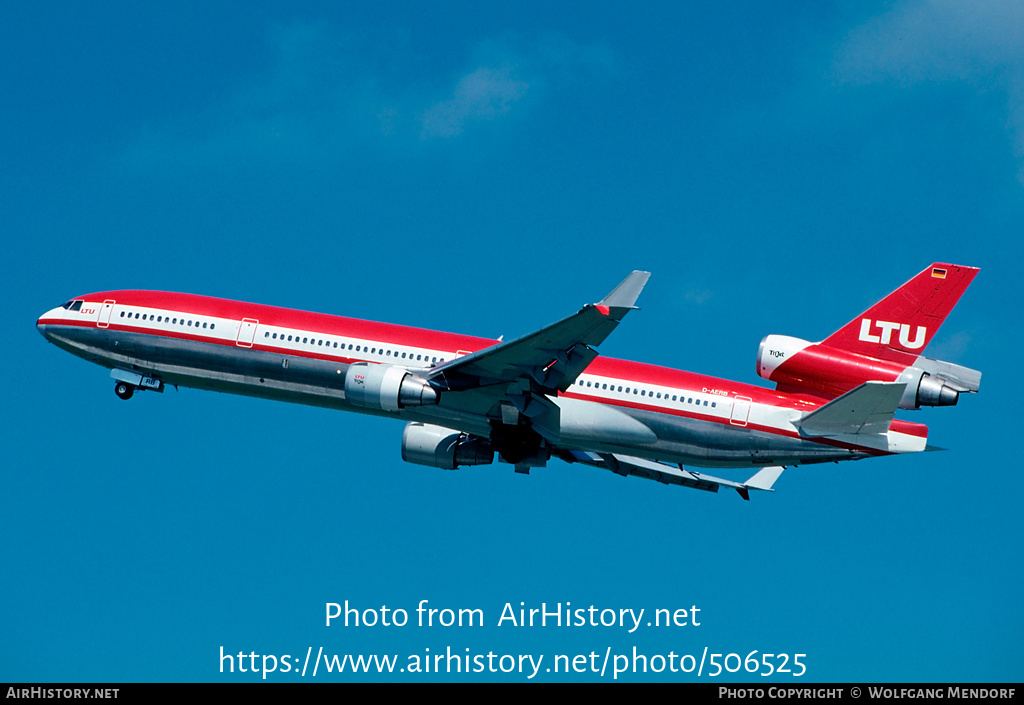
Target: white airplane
{"points": [[548, 394]]}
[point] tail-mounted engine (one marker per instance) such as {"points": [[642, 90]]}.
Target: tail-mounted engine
{"points": [[440, 447], [795, 365], [387, 387]]}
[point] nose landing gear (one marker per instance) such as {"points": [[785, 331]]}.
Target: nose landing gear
{"points": [[123, 390]]}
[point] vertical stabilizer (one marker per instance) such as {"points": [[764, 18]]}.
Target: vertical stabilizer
{"points": [[899, 327]]}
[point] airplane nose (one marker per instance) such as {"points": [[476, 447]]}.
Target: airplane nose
{"points": [[43, 326]]}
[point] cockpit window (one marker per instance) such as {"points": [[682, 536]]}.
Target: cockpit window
{"points": [[72, 305]]}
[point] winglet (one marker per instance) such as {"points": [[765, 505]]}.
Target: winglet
{"points": [[626, 293]]}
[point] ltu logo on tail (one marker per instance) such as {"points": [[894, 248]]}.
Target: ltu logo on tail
{"points": [[886, 328]]}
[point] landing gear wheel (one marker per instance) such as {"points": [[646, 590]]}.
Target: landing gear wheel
{"points": [[124, 390]]}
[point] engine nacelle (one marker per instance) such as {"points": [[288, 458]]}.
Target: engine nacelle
{"points": [[776, 349], [387, 387], [440, 447], [932, 392], [793, 363]]}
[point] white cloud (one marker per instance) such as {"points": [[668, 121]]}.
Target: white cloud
{"points": [[483, 94], [952, 348], [699, 296], [977, 43], [921, 40], [327, 95]]}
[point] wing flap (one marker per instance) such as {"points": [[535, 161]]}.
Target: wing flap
{"points": [[676, 475]]}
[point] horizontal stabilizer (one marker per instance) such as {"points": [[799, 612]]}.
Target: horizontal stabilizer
{"points": [[867, 409]]}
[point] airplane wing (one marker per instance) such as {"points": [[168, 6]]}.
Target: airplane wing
{"points": [[549, 359], [675, 474]]}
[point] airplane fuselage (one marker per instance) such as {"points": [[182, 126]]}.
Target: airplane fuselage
{"points": [[613, 406]]}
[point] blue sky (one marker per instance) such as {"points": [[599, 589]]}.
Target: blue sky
{"points": [[487, 169]]}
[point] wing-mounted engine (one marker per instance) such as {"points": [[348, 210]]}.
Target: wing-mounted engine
{"points": [[821, 369], [440, 447], [387, 387]]}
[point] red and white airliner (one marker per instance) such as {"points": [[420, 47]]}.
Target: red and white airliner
{"points": [[548, 394]]}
